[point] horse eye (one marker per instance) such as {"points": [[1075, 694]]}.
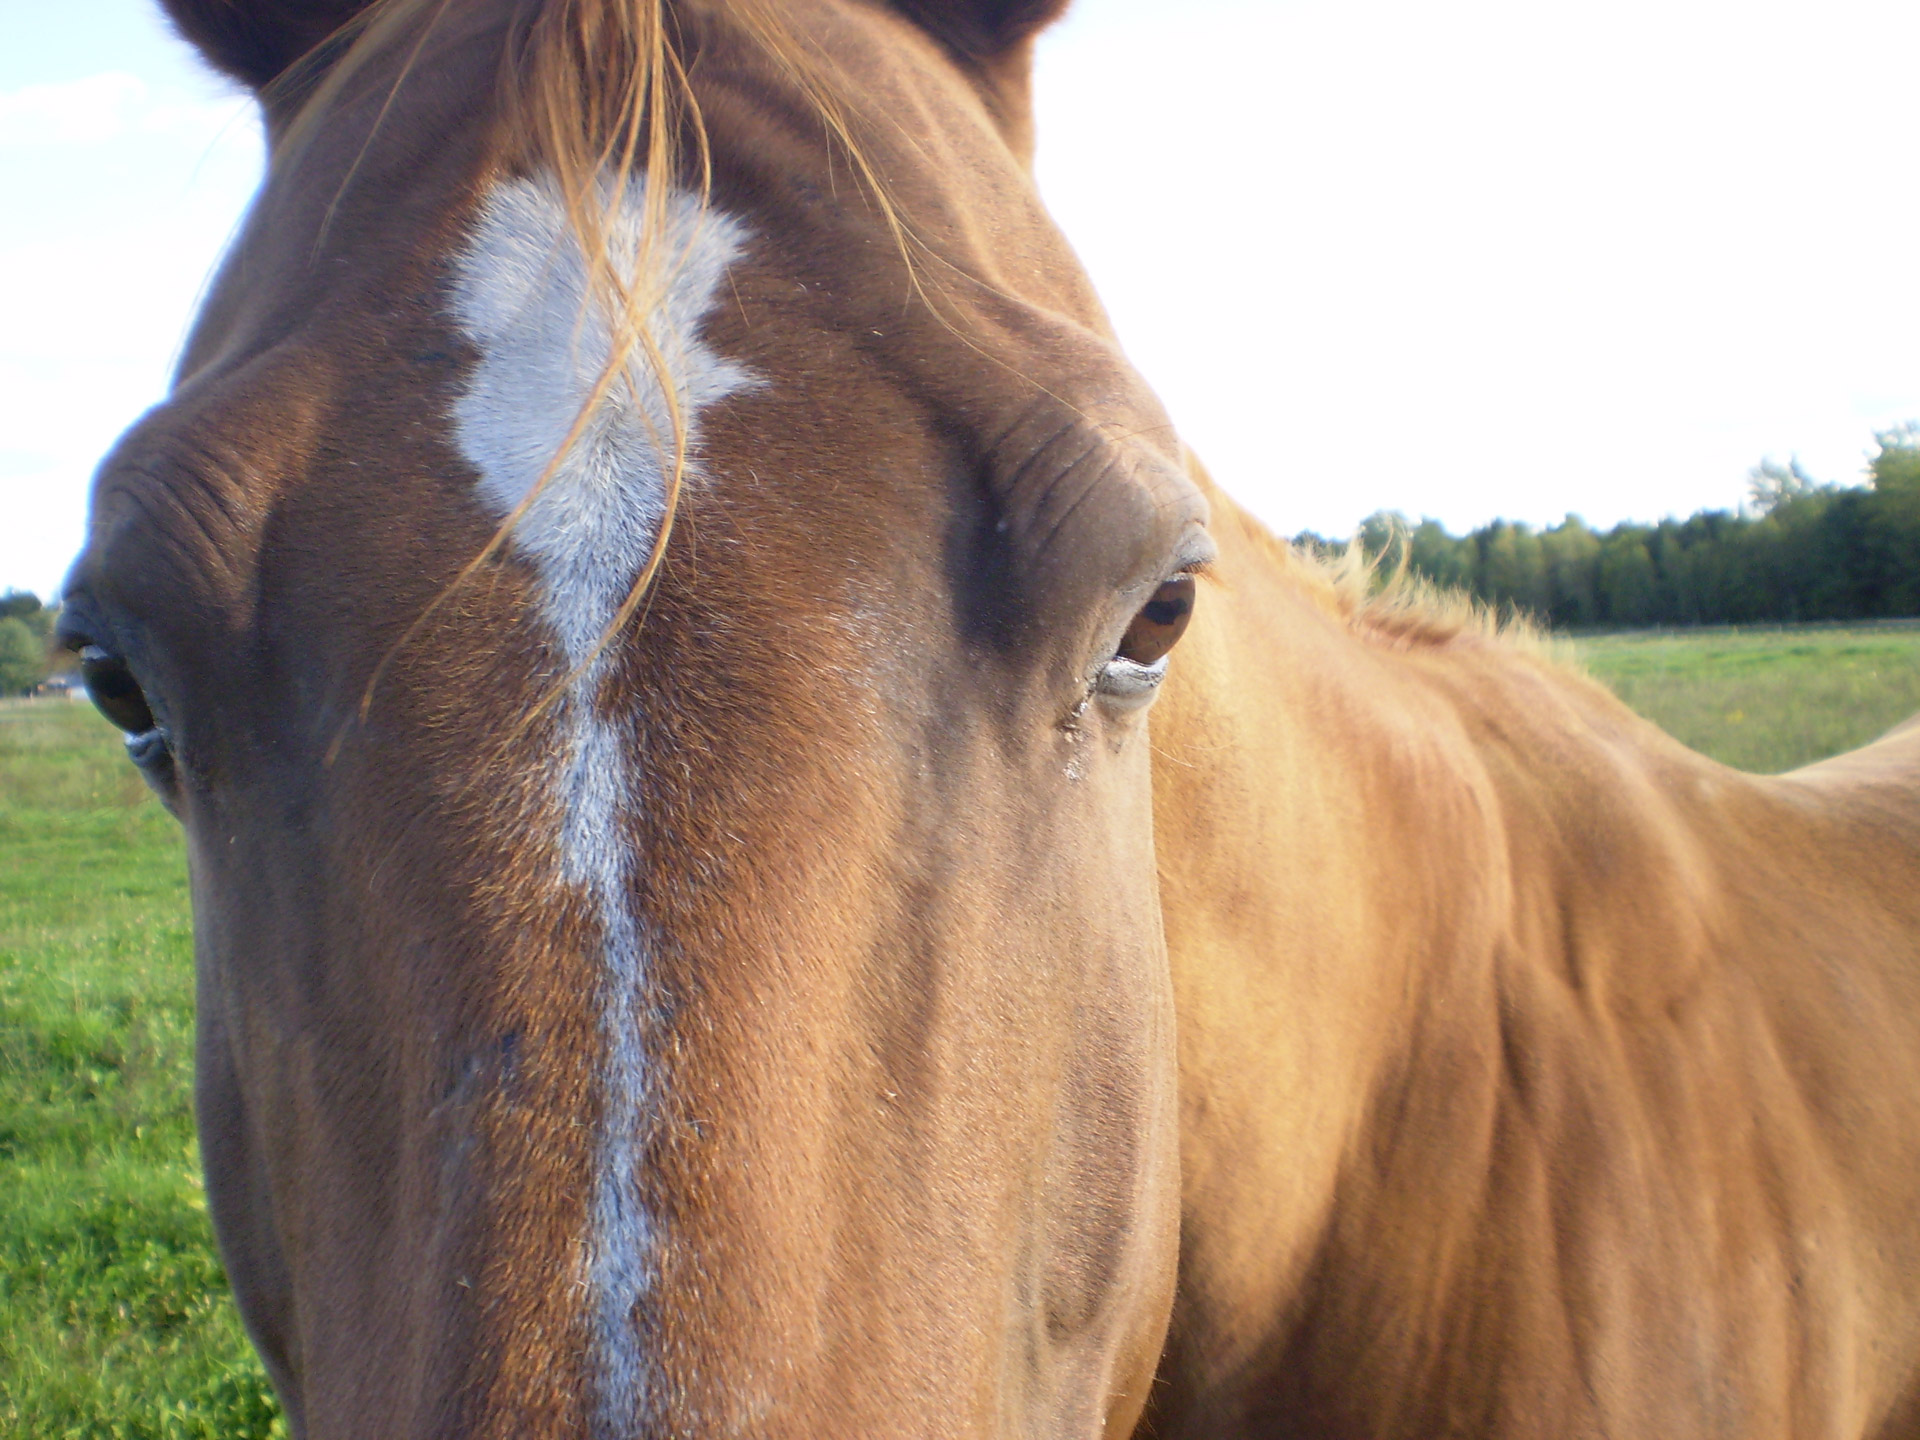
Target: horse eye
{"points": [[1160, 623], [114, 691]]}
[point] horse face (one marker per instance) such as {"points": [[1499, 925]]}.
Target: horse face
{"points": [[747, 1016]]}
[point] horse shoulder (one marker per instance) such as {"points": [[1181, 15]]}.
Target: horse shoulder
{"points": [[1536, 1072]]}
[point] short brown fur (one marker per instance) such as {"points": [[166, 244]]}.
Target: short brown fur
{"points": [[1476, 1059]]}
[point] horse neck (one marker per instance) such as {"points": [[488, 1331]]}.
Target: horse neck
{"points": [[1380, 846], [1440, 911], [1464, 952], [1294, 898]]}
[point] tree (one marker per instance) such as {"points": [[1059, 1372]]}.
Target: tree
{"points": [[1628, 587], [1572, 555], [1897, 466], [1770, 483], [1892, 521], [1512, 569], [1383, 533], [25, 605], [1432, 552], [1801, 549], [23, 657]]}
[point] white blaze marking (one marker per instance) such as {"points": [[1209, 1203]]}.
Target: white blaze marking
{"points": [[522, 296]]}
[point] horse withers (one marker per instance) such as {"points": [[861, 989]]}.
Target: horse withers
{"points": [[647, 597]]}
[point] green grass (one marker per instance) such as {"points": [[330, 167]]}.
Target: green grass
{"points": [[1764, 700], [114, 1316]]}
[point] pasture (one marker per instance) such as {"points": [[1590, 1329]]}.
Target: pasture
{"points": [[1764, 700], [114, 1319]]}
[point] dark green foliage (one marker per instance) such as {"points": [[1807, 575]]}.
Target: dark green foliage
{"points": [[25, 606], [23, 657], [25, 626], [1806, 551]]}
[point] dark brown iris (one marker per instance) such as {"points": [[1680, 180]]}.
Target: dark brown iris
{"points": [[114, 691], [1160, 623]]}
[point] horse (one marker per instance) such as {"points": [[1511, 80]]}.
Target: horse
{"points": [[770, 856]]}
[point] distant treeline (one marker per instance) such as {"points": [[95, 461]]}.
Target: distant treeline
{"points": [[25, 625], [1801, 550]]}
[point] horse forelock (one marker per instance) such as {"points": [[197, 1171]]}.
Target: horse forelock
{"points": [[592, 98]]}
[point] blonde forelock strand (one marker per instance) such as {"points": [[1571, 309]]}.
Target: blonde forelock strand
{"points": [[596, 94]]}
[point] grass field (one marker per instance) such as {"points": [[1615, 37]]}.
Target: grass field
{"points": [[1764, 700], [114, 1320], [114, 1317]]}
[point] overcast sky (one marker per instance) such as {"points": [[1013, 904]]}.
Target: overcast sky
{"points": [[1468, 260]]}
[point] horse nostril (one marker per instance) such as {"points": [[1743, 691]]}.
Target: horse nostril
{"points": [[1160, 623]]}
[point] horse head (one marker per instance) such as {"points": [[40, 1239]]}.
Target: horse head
{"points": [[644, 598]]}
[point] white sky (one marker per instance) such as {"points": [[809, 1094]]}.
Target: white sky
{"points": [[1488, 258]]}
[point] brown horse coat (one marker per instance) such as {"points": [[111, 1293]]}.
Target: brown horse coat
{"points": [[766, 1023], [1538, 1076]]}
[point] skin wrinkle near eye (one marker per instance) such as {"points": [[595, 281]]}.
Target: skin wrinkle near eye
{"points": [[1038, 433], [184, 487], [1073, 506], [164, 514], [523, 298], [1039, 456]]}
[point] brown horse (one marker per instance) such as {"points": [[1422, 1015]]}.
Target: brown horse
{"points": [[646, 598]]}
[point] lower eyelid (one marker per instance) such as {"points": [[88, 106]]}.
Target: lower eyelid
{"points": [[149, 748], [1123, 679]]}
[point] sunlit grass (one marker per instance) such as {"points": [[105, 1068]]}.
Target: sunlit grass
{"points": [[1764, 700], [114, 1317]]}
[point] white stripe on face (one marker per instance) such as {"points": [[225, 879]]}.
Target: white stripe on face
{"points": [[522, 296]]}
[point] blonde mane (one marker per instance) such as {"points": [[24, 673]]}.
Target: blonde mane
{"points": [[1382, 598]]}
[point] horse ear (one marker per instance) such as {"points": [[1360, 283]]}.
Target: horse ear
{"points": [[981, 30], [993, 39], [256, 40]]}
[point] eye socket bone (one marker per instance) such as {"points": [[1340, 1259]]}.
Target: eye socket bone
{"points": [[1160, 623]]}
